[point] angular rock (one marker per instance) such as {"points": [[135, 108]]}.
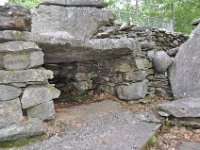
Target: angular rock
{"points": [[182, 108], [20, 61], [14, 17], [142, 63], [134, 91], [185, 145], [172, 52], [76, 3], [44, 111], [196, 22], [161, 61], [10, 112], [185, 71], [79, 22], [31, 75], [26, 129], [34, 95], [18, 46], [9, 92]]}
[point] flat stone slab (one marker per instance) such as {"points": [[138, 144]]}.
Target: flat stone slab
{"points": [[9, 92], [101, 126], [76, 3], [30, 75], [18, 46], [58, 45], [182, 108], [189, 146], [24, 129]]}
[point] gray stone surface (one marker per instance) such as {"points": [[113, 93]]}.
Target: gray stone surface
{"points": [[182, 108], [196, 22], [79, 22], [9, 92], [161, 61], [34, 95], [99, 126], [172, 52], [20, 61], [14, 17], [31, 75], [57, 47], [185, 145], [44, 111], [24, 129], [76, 3], [10, 112], [18, 46], [185, 71], [133, 91]]}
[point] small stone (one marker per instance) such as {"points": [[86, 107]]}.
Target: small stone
{"points": [[9, 92], [134, 91], [44, 111], [172, 52], [34, 95], [26, 129]]}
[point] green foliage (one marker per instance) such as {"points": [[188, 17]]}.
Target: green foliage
{"points": [[185, 11], [26, 3]]}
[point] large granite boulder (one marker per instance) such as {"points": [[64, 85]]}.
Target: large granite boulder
{"points": [[14, 17], [25, 129], [79, 22], [76, 3], [182, 108], [185, 71], [34, 95], [9, 92]]}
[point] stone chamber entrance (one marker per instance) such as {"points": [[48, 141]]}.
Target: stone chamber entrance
{"points": [[60, 56]]}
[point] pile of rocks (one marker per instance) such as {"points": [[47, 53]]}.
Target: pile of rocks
{"points": [[24, 90]]}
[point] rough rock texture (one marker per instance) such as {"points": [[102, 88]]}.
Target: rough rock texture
{"points": [[29, 128], [99, 126], [134, 91], [14, 17], [10, 112], [34, 95], [79, 22], [18, 46], [182, 108], [44, 111], [31, 75], [9, 92], [185, 145], [185, 72], [196, 22], [76, 3], [161, 61]]}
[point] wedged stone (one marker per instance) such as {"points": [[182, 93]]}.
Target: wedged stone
{"points": [[44, 111], [14, 17], [79, 22], [25, 129], [31, 75], [34, 95], [161, 61], [76, 3], [10, 112], [9, 92], [134, 91], [18, 46], [182, 108], [185, 71], [172, 52], [20, 61]]}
